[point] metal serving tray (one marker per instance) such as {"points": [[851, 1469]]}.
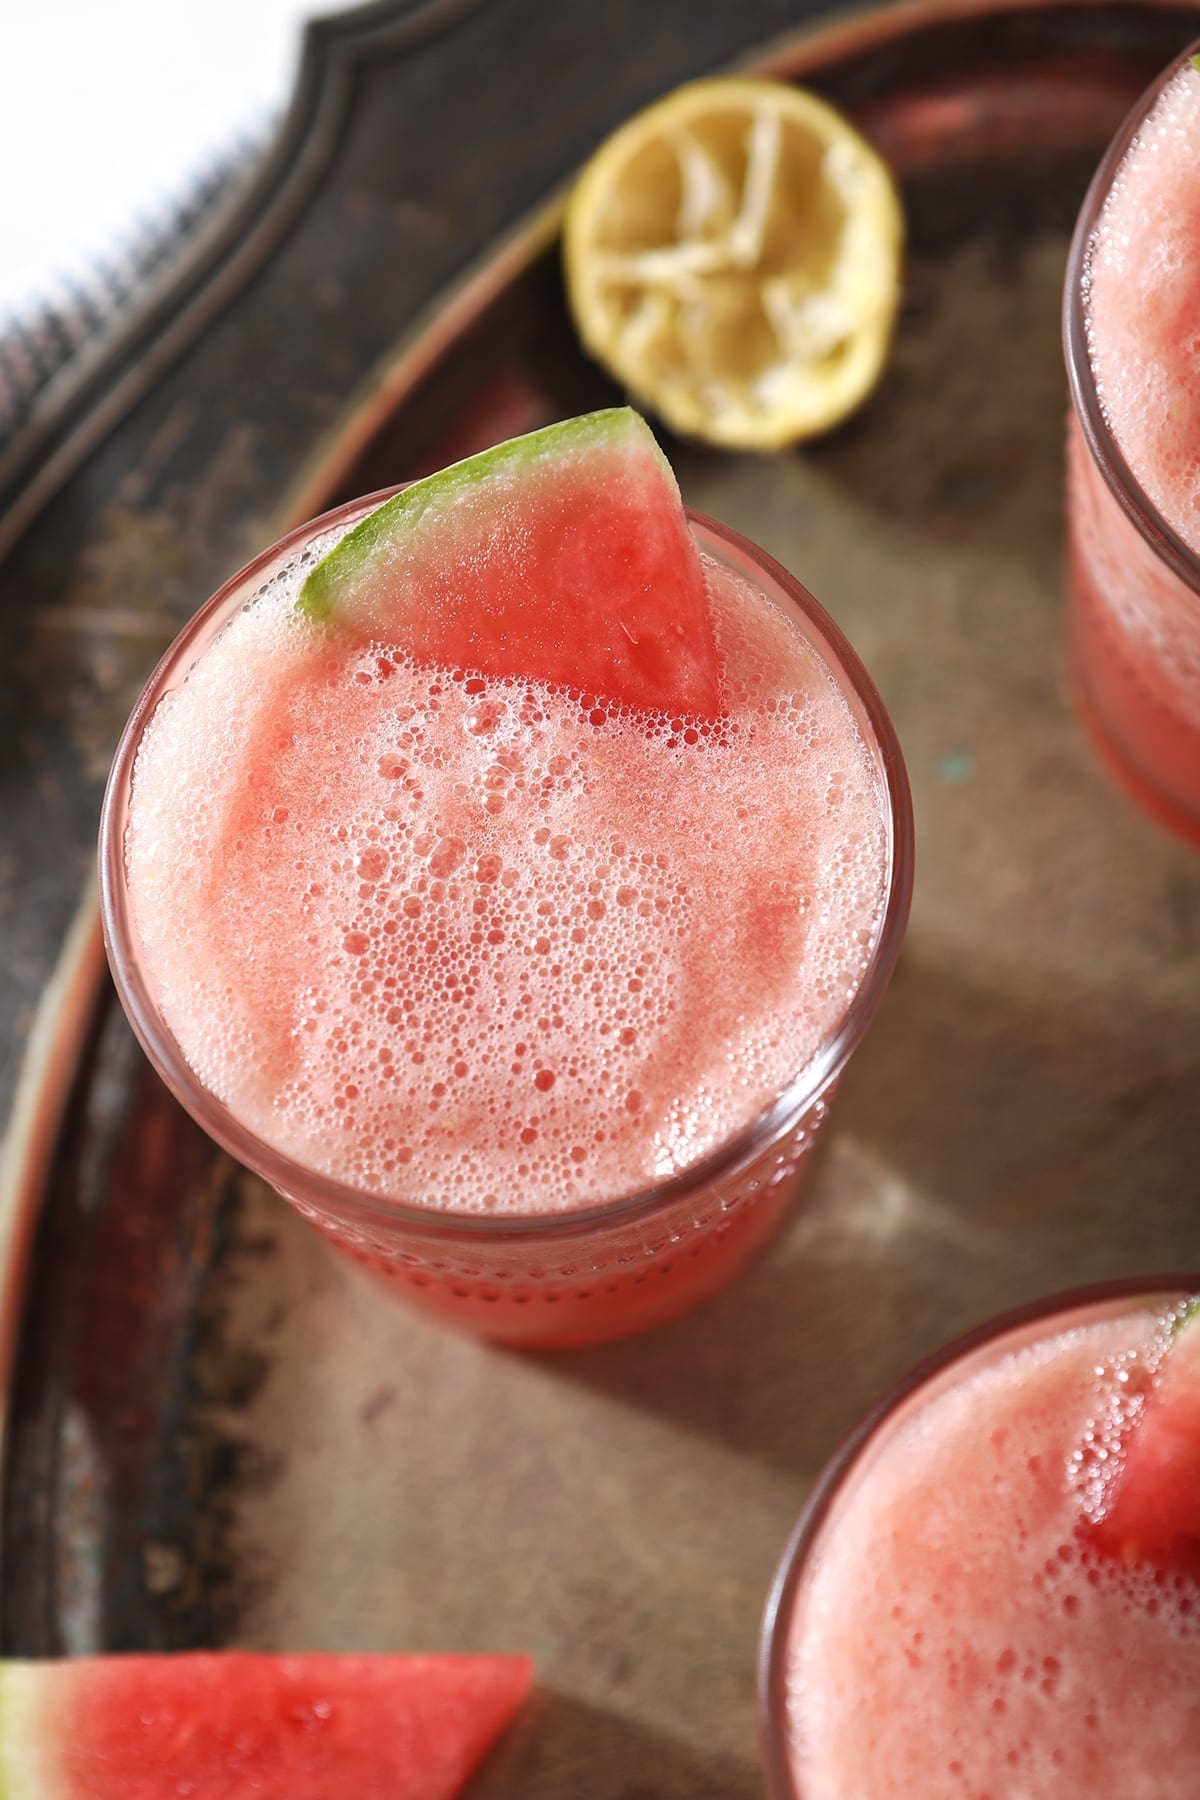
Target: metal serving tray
{"points": [[213, 1434]]}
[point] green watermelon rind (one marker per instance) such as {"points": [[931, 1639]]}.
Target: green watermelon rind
{"points": [[402, 521]]}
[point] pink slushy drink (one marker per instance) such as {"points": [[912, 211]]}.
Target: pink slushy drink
{"points": [[485, 946], [1134, 455], [1003, 1596]]}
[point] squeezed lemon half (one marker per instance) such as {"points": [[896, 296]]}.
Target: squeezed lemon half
{"points": [[732, 257]]}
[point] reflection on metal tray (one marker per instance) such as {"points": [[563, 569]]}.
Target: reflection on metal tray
{"points": [[214, 1434]]}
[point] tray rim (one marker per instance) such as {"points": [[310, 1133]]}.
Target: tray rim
{"points": [[50, 1065], [793, 53], [97, 389]]}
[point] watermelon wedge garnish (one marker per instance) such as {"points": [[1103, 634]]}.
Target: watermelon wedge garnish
{"points": [[233, 1726], [563, 556], [1152, 1511]]}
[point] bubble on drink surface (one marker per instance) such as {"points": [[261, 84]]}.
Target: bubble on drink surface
{"points": [[372, 863], [446, 856], [484, 717], [593, 985]]}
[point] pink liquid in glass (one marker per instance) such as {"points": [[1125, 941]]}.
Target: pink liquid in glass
{"points": [[1133, 337], [952, 1628], [473, 951]]}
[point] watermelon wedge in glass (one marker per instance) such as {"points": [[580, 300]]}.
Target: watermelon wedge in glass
{"points": [[993, 1588], [563, 556], [505, 869], [235, 1726], [1151, 1508]]}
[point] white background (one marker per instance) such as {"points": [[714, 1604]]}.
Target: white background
{"points": [[111, 107]]}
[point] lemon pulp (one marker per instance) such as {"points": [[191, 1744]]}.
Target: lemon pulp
{"points": [[733, 257]]}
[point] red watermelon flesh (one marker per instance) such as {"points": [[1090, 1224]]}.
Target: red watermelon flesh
{"points": [[234, 1726], [1152, 1513], [563, 556]]}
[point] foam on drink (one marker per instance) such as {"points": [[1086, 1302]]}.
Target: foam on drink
{"points": [[488, 945], [957, 1636], [1135, 621], [1143, 305]]}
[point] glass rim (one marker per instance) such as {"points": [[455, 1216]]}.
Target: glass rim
{"points": [[771, 1682], [298, 1181], [1120, 479]]}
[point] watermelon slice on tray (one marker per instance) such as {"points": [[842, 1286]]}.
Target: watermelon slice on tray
{"points": [[1152, 1512], [234, 1726], [564, 556]]}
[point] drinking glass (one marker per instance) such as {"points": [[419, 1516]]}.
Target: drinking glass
{"points": [[546, 1278]]}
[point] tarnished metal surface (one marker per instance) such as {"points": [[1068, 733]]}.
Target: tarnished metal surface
{"points": [[218, 1435]]}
